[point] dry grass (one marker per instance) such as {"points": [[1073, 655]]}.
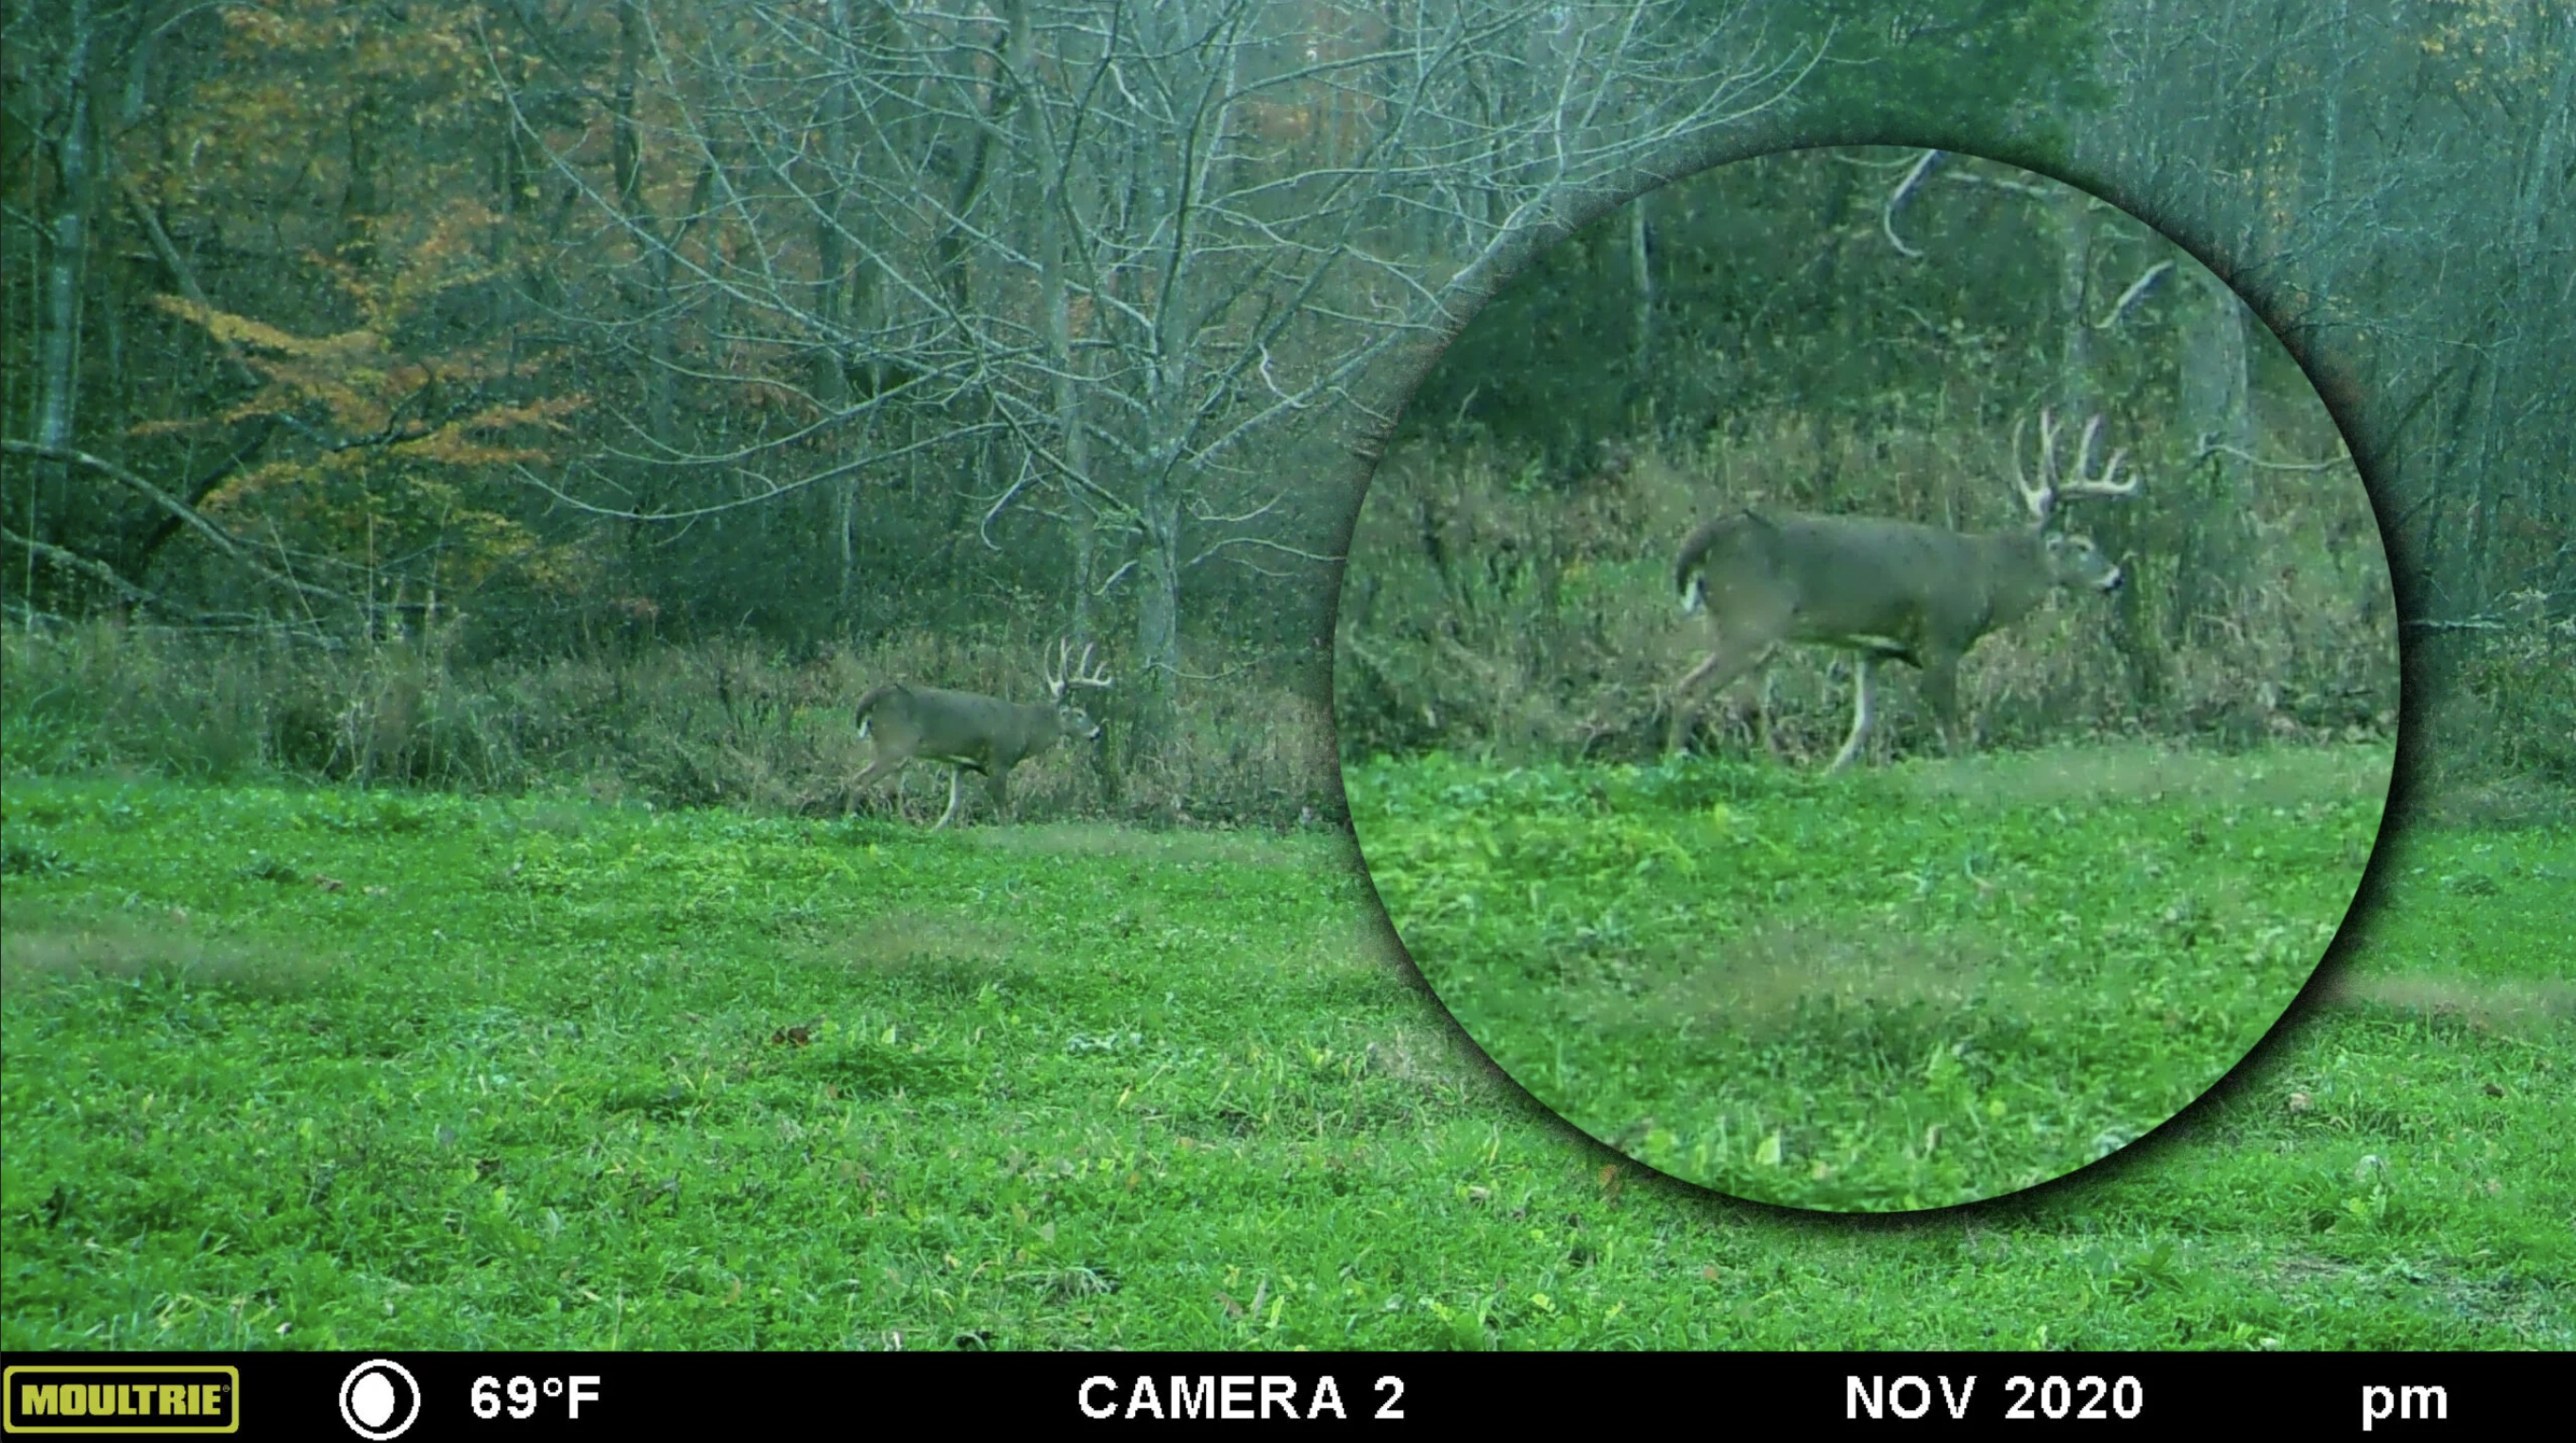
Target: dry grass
{"points": [[1778, 976], [905, 937], [726, 723], [35, 950], [1101, 839], [2145, 772], [954, 953], [2500, 806], [2485, 1004], [1766, 978]]}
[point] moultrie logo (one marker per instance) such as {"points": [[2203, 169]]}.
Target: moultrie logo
{"points": [[120, 1398]]}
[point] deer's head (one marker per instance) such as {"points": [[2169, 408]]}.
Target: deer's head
{"points": [[2073, 560], [1070, 718], [2076, 563]]}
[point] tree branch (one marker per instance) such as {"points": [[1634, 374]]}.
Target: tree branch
{"points": [[90, 567], [187, 515]]}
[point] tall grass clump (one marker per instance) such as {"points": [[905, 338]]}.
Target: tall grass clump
{"points": [[714, 722], [101, 694], [2501, 710]]}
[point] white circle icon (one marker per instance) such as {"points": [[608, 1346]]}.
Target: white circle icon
{"points": [[373, 1393]]}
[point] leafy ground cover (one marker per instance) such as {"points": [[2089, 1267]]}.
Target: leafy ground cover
{"points": [[1881, 991], [323, 1068]]}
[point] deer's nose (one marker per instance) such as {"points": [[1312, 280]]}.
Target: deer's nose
{"points": [[2114, 581]]}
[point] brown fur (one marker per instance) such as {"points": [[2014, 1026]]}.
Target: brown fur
{"points": [[968, 731], [1883, 590]]}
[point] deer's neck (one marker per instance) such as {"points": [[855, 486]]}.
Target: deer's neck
{"points": [[2019, 576]]}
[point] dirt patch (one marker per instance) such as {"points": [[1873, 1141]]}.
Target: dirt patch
{"points": [[950, 951], [2275, 777], [2480, 1002], [1766, 977], [33, 952]]}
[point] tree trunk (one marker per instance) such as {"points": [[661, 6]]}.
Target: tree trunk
{"points": [[58, 400], [627, 160], [1158, 612], [1642, 273], [2211, 554], [2131, 632], [831, 359]]}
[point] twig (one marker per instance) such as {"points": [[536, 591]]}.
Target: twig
{"points": [[2137, 290], [179, 271], [2213, 448], [1896, 198]]}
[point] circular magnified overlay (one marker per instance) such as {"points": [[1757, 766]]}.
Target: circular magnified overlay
{"points": [[2025, 735]]}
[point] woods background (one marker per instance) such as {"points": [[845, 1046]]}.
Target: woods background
{"points": [[603, 393], [1866, 332]]}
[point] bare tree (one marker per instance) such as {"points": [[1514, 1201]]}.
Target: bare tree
{"points": [[2379, 143], [1126, 257], [69, 141]]}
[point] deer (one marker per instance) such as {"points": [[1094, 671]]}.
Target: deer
{"points": [[972, 732], [1887, 590]]}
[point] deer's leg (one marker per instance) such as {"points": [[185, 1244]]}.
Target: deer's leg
{"points": [[1861, 665], [1732, 659], [955, 776], [1941, 690], [1762, 718], [877, 767], [999, 784]]}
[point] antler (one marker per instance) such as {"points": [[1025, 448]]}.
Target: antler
{"points": [[1058, 679], [2043, 498]]}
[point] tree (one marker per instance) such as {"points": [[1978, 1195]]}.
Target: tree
{"points": [[349, 392], [1126, 259], [2388, 191]]}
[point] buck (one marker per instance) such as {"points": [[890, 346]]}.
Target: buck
{"points": [[1886, 590], [971, 732]]}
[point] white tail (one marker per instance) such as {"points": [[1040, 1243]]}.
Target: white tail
{"points": [[969, 731], [1885, 590]]}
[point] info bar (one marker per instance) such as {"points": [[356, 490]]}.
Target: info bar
{"points": [[381, 1396]]}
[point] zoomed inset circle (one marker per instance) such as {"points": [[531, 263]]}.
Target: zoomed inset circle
{"points": [[1866, 680]]}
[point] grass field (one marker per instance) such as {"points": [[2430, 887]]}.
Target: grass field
{"points": [[328, 1069], [1882, 991]]}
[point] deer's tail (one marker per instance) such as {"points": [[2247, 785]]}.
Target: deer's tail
{"points": [[868, 703], [1709, 536]]}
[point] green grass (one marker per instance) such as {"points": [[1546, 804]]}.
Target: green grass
{"points": [[530, 1074], [1881, 991]]}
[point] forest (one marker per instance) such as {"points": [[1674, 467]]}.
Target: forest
{"points": [[1508, 609], [478, 395]]}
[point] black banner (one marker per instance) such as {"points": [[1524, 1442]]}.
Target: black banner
{"points": [[502, 1396]]}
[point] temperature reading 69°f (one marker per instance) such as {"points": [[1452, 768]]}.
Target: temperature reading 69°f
{"points": [[519, 1396]]}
